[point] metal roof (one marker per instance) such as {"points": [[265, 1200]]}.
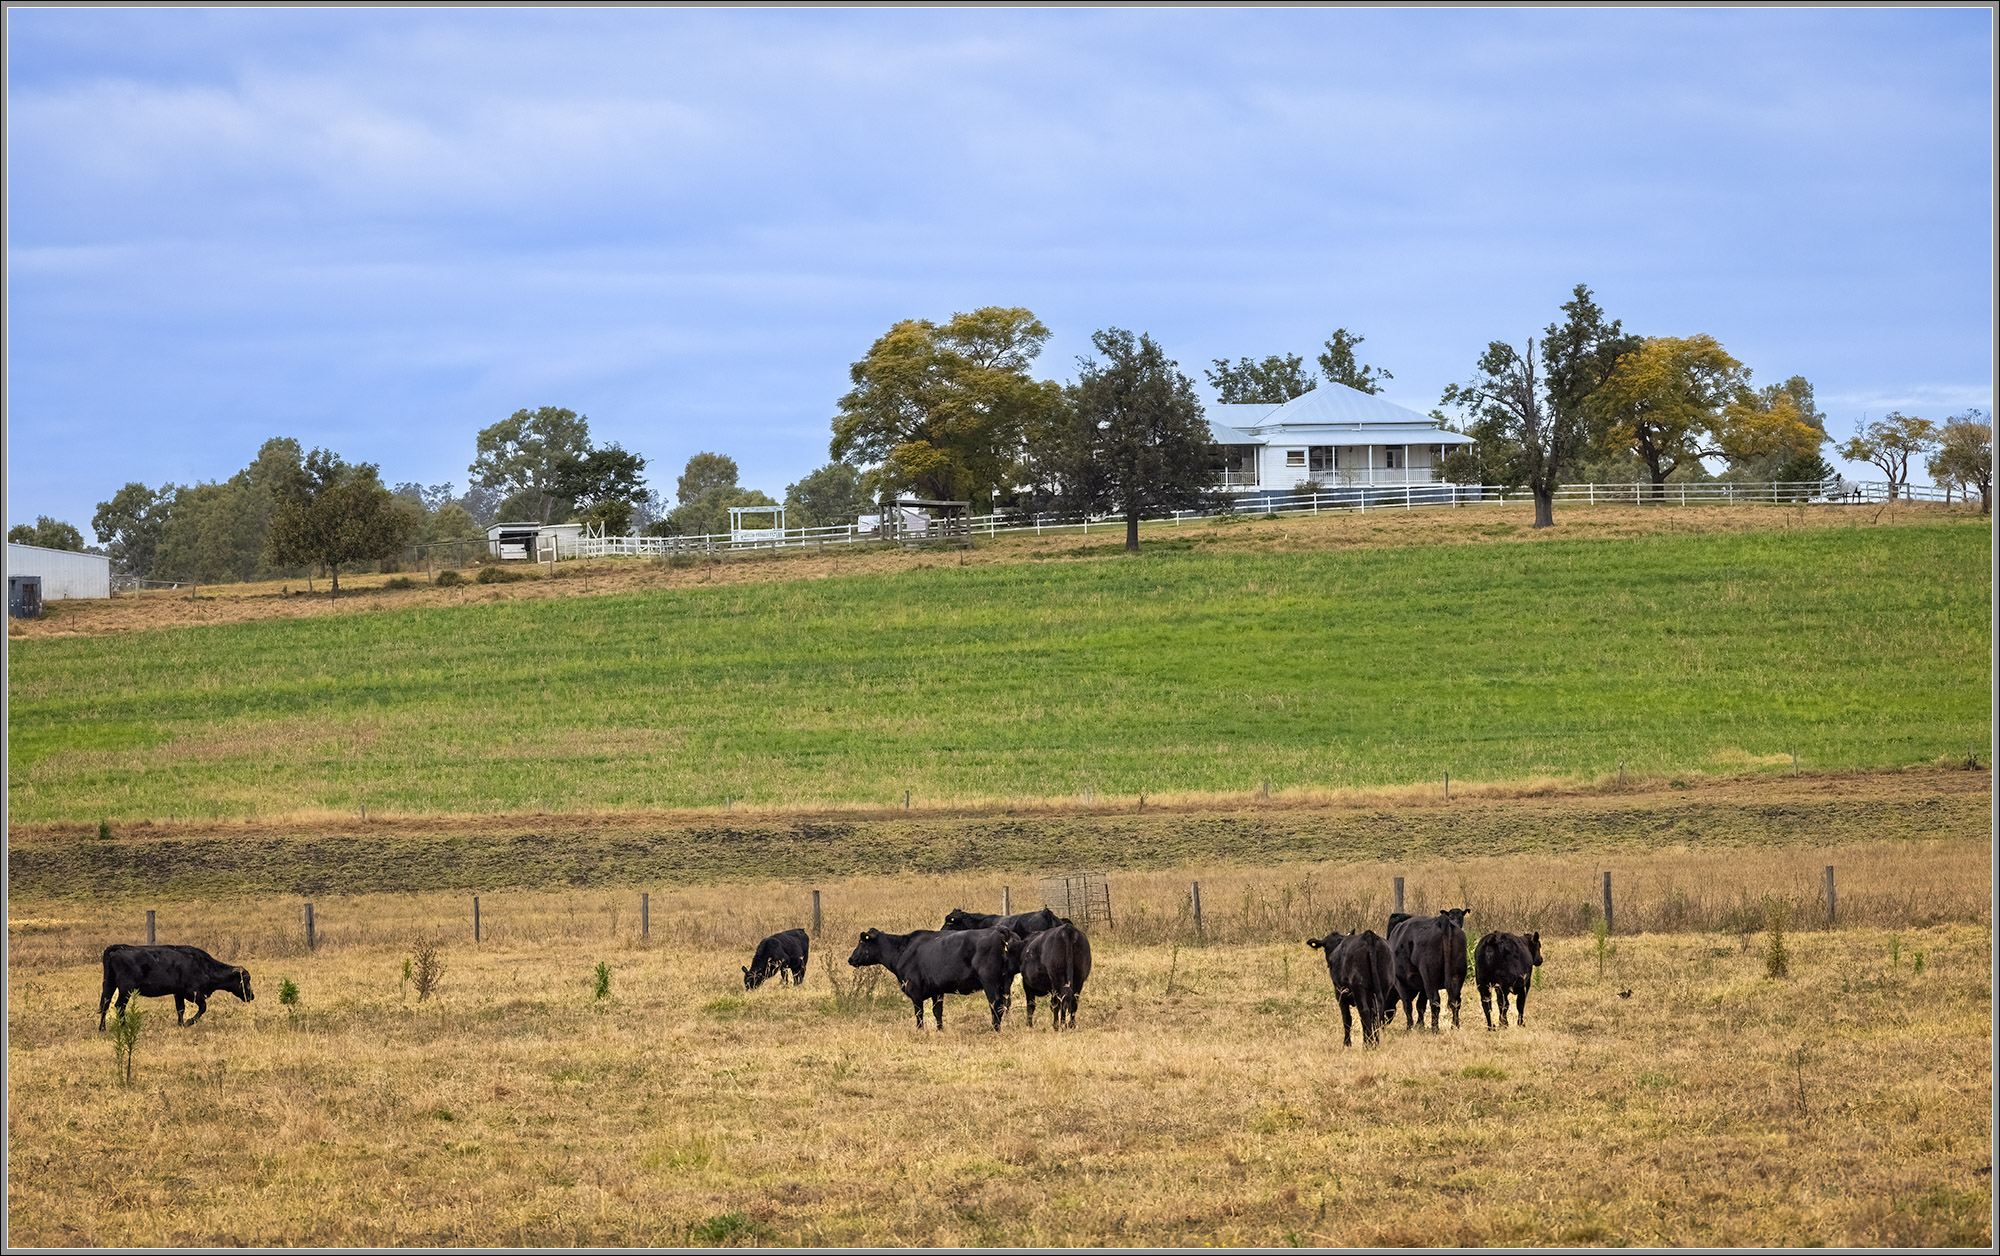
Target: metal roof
{"points": [[1323, 416]]}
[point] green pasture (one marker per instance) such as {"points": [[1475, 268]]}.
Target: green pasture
{"points": [[1171, 671]]}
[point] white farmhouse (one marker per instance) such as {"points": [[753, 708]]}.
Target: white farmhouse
{"points": [[1335, 437], [63, 573]]}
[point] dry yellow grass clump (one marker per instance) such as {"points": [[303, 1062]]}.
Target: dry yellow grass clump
{"points": [[1204, 1098]]}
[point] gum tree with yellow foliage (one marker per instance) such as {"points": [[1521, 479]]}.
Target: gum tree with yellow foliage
{"points": [[941, 408], [1889, 443]]}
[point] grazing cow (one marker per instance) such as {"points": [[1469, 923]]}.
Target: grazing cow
{"points": [[1506, 961], [782, 955], [1430, 954], [1364, 979], [1054, 962], [186, 972], [1026, 922], [930, 964]]}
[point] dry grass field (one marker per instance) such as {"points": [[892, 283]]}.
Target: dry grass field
{"points": [[1204, 1098]]}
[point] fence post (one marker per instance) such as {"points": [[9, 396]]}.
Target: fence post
{"points": [[152, 937], [1447, 786], [815, 913], [1006, 900], [476, 935], [1831, 915], [312, 938], [645, 915], [1194, 889], [1399, 893], [1607, 902]]}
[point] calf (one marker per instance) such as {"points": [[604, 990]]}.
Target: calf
{"points": [[782, 955], [188, 973], [1506, 961], [958, 920], [1364, 979], [1430, 954], [1054, 962], [929, 964]]}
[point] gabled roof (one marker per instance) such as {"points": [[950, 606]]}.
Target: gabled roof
{"points": [[1329, 409]]}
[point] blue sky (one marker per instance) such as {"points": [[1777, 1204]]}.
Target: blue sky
{"points": [[379, 230]]}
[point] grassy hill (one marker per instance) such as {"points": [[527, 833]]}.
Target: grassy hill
{"points": [[1183, 671]]}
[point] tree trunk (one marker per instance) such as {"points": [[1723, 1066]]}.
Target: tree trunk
{"points": [[334, 568], [1132, 527], [1545, 506], [1986, 497], [1659, 482]]}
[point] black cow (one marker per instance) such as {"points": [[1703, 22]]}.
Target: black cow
{"points": [[1026, 922], [782, 955], [1054, 962], [186, 972], [1506, 961], [930, 964], [1364, 979], [1430, 954]]}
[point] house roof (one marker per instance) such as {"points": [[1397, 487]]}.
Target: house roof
{"points": [[1324, 416]]}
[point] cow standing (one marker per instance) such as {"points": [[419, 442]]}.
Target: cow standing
{"points": [[1506, 962], [1364, 980], [1054, 962], [782, 955], [930, 964], [958, 919], [1429, 955], [188, 973]]}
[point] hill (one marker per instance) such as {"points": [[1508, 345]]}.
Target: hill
{"points": [[1313, 655]]}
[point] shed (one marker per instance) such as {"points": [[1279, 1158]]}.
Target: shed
{"points": [[528, 538], [64, 573]]}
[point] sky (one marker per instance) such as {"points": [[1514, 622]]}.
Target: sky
{"points": [[379, 230]]}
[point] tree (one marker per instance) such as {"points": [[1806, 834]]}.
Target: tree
{"points": [[529, 454], [216, 531], [48, 533], [331, 513], [1775, 433], [825, 498], [707, 488], [1965, 456], [1530, 428], [1336, 362], [1138, 434], [1273, 381], [1889, 443], [1664, 403], [604, 485], [943, 410], [131, 524]]}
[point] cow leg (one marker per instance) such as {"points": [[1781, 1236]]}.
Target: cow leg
{"points": [[1486, 1003], [180, 1010], [1452, 994], [104, 1003], [1031, 1004], [1347, 1023], [1521, 1005], [937, 1011], [919, 1005], [200, 1007]]}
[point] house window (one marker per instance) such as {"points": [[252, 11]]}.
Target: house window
{"points": [[1392, 456], [1238, 459], [1295, 458], [1319, 459]]}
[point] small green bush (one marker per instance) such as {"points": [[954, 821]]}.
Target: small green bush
{"points": [[448, 579], [125, 1040], [603, 979], [729, 1228], [288, 994], [104, 830], [1777, 960], [399, 582], [500, 575]]}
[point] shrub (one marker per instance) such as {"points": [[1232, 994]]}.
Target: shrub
{"points": [[399, 582], [104, 830], [288, 994], [448, 579], [1777, 960], [426, 968], [500, 575], [125, 1039], [729, 1228], [603, 979]]}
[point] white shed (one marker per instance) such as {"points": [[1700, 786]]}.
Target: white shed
{"points": [[64, 573]]}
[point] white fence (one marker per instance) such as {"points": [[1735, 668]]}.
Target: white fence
{"points": [[1331, 501]]}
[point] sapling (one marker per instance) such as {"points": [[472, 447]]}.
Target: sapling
{"points": [[1895, 952], [426, 967], [125, 1040], [288, 994], [1777, 960], [603, 979]]}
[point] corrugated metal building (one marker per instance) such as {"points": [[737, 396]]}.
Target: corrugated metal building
{"points": [[1333, 436], [64, 573]]}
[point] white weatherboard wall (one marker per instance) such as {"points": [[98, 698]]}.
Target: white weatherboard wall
{"points": [[64, 573]]}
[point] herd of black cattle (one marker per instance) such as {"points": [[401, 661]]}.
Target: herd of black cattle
{"points": [[977, 953]]}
